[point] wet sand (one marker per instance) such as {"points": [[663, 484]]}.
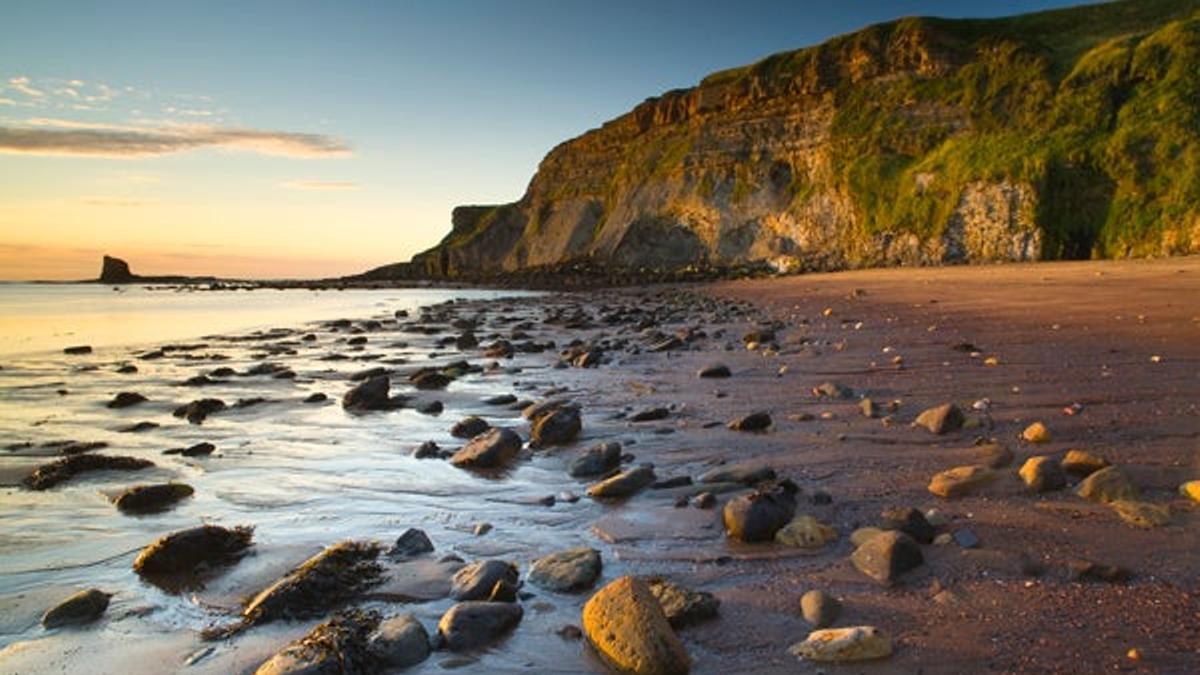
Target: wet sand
{"points": [[1061, 333]]}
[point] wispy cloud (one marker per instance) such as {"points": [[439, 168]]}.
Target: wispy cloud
{"points": [[122, 202], [318, 185], [21, 84], [45, 136]]}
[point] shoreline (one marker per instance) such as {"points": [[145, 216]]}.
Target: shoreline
{"points": [[1003, 605]]}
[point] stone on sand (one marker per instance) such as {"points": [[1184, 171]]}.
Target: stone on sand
{"points": [[1036, 433], [623, 484], [683, 606], [759, 515], [1142, 514], [82, 607], [1107, 485], [1191, 490], [844, 645], [941, 419], [1082, 463], [805, 532], [886, 556], [819, 608], [960, 480], [557, 427], [1042, 473]]}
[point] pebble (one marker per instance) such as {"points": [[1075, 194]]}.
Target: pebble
{"points": [[960, 481], [623, 484], [886, 556], [82, 607], [819, 608], [941, 419], [1036, 433], [1043, 473], [844, 645]]}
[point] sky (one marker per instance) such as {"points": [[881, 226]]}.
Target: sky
{"points": [[308, 139]]}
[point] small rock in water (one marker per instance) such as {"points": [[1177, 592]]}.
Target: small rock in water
{"points": [[469, 427], [650, 415], [704, 500], [1043, 474], [489, 450], [430, 380], [626, 625], [476, 581], [571, 570], [138, 427], [125, 399], [1082, 463], [197, 450], [747, 474], [83, 607], [683, 606], [623, 484], [471, 625], [481, 529], [316, 397], [48, 475], [503, 591], [373, 394], [886, 556], [844, 645], [500, 399], [431, 408], [819, 608], [412, 543], [199, 410], [557, 427], [78, 349], [715, 370], [399, 642], [152, 498], [942, 419], [173, 561], [757, 421], [595, 461]]}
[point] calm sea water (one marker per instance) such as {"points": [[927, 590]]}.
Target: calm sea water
{"points": [[304, 475]]}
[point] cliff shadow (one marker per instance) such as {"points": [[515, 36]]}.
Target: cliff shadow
{"points": [[1072, 210]]}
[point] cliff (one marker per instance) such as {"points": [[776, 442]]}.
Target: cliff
{"points": [[1063, 134]]}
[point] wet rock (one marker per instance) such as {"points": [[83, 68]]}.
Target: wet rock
{"points": [[886, 556], [152, 498], [328, 579], [466, 341], [993, 455], [747, 474], [960, 480], [78, 350], [805, 532], [469, 427], [535, 410], [844, 645], [475, 581], [1082, 463], [759, 515], [1141, 514], [431, 380], [197, 450], [756, 421], [623, 484], [427, 450], [127, 369], [1042, 474], [819, 608], [431, 408], [138, 427], [503, 591], [471, 625], [716, 370], [942, 419], [704, 500], [627, 627], [1036, 433], [199, 410], [650, 415], [412, 543], [683, 606], [48, 475], [337, 647], [489, 450], [565, 571], [83, 607], [481, 529], [833, 390], [316, 397], [501, 399], [399, 642], [126, 399], [910, 521], [558, 427], [596, 460], [368, 374], [174, 561], [372, 394], [1107, 485]]}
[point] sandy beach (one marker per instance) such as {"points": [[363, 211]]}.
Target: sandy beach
{"points": [[1113, 343]]}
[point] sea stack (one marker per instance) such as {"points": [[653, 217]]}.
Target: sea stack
{"points": [[115, 271]]}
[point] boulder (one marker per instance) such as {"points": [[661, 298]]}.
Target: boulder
{"points": [[819, 608], [399, 642], [596, 460], [1107, 485], [683, 606], [623, 484], [469, 427], [759, 515], [1082, 463], [625, 624], [1042, 474], [886, 556], [476, 581], [173, 560], [471, 625], [805, 532], [844, 645], [960, 480], [489, 450], [942, 419], [82, 607], [570, 570], [557, 427]]}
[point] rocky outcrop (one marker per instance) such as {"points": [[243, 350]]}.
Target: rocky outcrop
{"points": [[916, 142], [116, 271]]}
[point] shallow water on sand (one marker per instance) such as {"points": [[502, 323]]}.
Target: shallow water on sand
{"points": [[305, 475]]}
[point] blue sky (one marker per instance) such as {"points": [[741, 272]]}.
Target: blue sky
{"points": [[319, 138]]}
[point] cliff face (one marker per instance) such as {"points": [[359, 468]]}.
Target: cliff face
{"points": [[1063, 134]]}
